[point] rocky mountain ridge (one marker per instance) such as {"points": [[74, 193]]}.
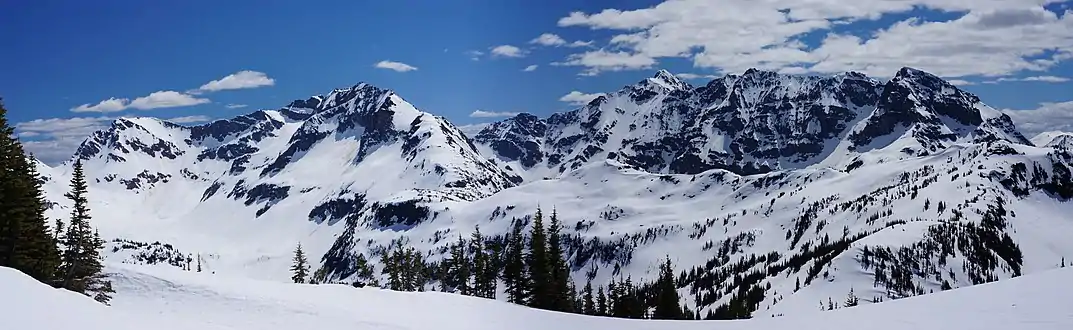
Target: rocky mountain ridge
{"points": [[891, 188]]}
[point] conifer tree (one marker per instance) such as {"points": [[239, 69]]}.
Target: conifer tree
{"points": [[559, 290], [461, 268], [199, 262], [601, 302], [414, 271], [667, 299], [573, 300], [484, 271], [300, 268], [81, 267], [26, 243], [851, 299], [392, 266], [589, 307], [514, 273], [491, 272], [538, 266]]}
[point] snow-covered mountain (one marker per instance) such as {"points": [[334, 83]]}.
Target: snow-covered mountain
{"points": [[1054, 139], [819, 184]]}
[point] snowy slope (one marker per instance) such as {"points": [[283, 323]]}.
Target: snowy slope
{"points": [[800, 188], [165, 299], [1054, 139]]}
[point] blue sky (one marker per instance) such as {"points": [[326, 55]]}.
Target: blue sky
{"points": [[163, 57]]}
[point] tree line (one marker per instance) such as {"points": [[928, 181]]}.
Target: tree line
{"points": [[532, 268], [66, 256]]}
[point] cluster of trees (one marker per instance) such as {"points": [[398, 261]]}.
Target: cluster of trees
{"points": [[532, 267], [851, 300], [68, 258], [986, 248]]}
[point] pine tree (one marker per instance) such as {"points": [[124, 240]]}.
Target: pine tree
{"points": [[490, 275], [574, 302], [300, 268], [97, 285], [486, 266], [601, 302], [81, 267], [26, 243], [667, 299], [414, 277], [589, 306], [559, 290], [199, 262], [538, 266], [851, 299], [461, 268], [483, 286], [514, 273]]}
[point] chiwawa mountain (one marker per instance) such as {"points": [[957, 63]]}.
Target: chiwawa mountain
{"points": [[760, 194]]}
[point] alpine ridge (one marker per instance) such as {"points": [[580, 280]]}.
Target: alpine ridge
{"points": [[821, 185]]}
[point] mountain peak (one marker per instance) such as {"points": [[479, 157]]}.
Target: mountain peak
{"points": [[668, 80]]}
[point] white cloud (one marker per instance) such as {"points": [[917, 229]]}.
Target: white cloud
{"points": [[235, 106], [579, 98], [530, 68], [548, 39], [395, 66], [155, 100], [239, 80], [1050, 79], [691, 76], [987, 38], [960, 82], [165, 99], [54, 140], [110, 105], [579, 43], [491, 114], [507, 51], [1047, 79], [1048, 117], [602, 60], [475, 55], [189, 119], [554, 40]]}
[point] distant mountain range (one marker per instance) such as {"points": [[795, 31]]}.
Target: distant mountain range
{"points": [[819, 184]]}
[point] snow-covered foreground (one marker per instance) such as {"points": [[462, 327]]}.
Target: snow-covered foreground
{"points": [[166, 298]]}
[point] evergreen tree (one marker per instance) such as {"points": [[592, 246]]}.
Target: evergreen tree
{"points": [[97, 285], [851, 299], [300, 268], [574, 302], [514, 273], [392, 268], [461, 268], [485, 266], [589, 306], [483, 286], [601, 302], [491, 272], [559, 290], [199, 262], [81, 267], [414, 276], [26, 242], [667, 299], [538, 266]]}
